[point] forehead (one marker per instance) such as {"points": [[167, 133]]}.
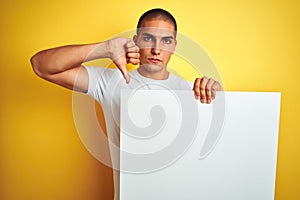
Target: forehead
{"points": [[157, 27]]}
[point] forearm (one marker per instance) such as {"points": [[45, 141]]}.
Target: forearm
{"points": [[63, 65], [60, 59]]}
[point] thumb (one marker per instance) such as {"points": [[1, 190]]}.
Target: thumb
{"points": [[122, 67], [125, 73]]}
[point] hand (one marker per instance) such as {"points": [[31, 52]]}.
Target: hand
{"points": [[123, 51], [205, 89]]}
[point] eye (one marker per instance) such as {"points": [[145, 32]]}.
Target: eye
{"points": [[147, 38], [167, 41]]}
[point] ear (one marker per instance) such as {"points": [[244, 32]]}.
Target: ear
{"points": [[174, 46]]}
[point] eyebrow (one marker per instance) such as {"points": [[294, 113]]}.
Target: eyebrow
{"points": [[165, 37]]}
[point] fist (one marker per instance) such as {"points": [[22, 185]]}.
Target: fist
{"points": [[123, 51]]}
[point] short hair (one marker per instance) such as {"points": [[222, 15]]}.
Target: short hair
{"points": [[157, 13]]}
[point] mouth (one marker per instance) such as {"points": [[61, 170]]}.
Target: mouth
{"points": [[154, 60]]}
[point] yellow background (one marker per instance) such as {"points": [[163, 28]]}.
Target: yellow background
{"points": [[255, 45]]}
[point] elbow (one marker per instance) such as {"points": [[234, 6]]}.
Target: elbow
{"points": [[36, 66]]}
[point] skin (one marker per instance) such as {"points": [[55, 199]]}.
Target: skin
{"points": [[152, 49], [156, 48]]}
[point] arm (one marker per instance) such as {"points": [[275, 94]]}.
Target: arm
{"points": [[63, 65]]}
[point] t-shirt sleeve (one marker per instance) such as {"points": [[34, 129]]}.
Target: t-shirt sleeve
{"points": [[96, 82], [101, 80]]}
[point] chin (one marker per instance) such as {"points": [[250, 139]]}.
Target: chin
{"points": [[153, 67]]}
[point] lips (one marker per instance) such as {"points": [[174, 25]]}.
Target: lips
{"points": [[154, 60]]}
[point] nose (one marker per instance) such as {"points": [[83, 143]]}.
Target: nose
{"points": [[155, 50]]}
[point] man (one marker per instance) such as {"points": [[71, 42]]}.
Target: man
{"points": [[151, 48]]}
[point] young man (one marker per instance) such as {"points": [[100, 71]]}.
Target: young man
{"points": [[151, 48]]}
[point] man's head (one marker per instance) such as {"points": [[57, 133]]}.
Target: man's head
{"points": [[157, 13], [156, 38]]}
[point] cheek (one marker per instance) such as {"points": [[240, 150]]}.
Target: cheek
{"points": [[145, 50], [167, 56], [144, 53], [143, 56]]}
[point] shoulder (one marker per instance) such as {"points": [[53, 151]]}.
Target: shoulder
{"points": [[99, 78], [99, 71], [180, 83], [102, 74]]}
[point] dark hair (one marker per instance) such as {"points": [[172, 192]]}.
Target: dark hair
{"points": [[157, 13]]}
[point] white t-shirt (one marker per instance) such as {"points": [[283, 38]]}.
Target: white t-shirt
{"points": [[105, 86]]}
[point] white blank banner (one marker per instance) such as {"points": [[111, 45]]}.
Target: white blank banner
{"points": [[174, 147]]}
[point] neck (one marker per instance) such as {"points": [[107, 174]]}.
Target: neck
{"points": [[162, 74]]}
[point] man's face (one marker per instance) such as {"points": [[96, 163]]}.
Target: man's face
{"points": [[157, 42]]}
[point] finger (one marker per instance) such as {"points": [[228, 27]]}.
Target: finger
{"points": [[121, 64], [213, 92], [133, 55], [216, 87], [134, 49], [203, 83], [208, 90], [133, 61], [130, 45], [196, 88], [133, 58], [125, 73]]}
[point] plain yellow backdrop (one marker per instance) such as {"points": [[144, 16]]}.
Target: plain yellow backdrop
{"points": [[254, 44]]}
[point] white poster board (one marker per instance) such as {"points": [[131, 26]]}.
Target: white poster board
{"points": [[174, 147]]}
